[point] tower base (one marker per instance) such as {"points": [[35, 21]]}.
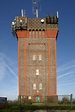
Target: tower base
{"points": [[46, 99]]}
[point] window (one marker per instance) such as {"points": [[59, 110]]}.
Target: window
{"points": [[34, 86], [29, 97], [40, 86], [40, 57], [34, 57], [37, 72]]}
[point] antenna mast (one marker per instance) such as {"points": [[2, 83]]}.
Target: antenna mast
{"points": [[22, 12], [35, 7]]}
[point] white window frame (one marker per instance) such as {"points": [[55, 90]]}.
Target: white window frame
{"points": [[37, 72], [40, 86], [34, 57], [40, 57], [34, 86]]}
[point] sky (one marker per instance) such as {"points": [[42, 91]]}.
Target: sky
{"points": [[65, 44]]}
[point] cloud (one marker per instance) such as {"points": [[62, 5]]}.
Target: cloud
{"points": [[5, 64], [66, 69], [65, 74], [11, 71], [8, 77], [2, 67], [66, 66], [66, 84], [66, 78]]}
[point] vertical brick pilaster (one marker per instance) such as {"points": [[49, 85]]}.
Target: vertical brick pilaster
{"points": [[19, 67], [49, 67], [55, 67], [25, 81]]}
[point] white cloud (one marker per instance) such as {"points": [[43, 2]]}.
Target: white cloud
{"points": [[66, 74], [67, 66], [2, 67], [66, 70], [11, 71], [6, 64], [67, 84]]}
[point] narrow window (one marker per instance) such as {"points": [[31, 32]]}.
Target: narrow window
{"points": [[40, 57], [40, 86], [34, 86], [37, 72], [34, 57]]}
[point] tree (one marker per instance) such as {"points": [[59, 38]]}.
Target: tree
{"points": [[65, 100]]}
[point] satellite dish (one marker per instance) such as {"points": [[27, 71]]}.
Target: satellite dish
{"points": [[13, 23], [42, 20], [20, 20]]}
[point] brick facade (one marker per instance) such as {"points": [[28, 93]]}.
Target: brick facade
{"points": [[37, 56]]}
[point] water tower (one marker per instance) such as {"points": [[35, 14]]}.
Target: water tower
{"points": [[36, 37]]}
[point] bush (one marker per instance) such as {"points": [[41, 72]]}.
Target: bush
{"points": [[65, 100]]}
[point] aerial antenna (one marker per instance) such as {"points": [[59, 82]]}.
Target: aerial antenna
{"points": [[57, 14], [35, 7], [22, 12]]}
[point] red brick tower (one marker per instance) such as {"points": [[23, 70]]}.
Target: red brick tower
{"points": [[36, 56]]}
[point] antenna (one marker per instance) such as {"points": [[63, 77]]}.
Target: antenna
{"points": [[35, 7], [22, 12], [57, 15]]}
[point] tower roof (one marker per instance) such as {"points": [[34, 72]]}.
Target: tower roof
{"points": [[25, 23]]}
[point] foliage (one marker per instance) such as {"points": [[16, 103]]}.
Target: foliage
{"points": [[15, 107], [65, 100]]}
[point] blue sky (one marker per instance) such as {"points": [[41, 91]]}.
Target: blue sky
{"points": [[65, 44]]}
